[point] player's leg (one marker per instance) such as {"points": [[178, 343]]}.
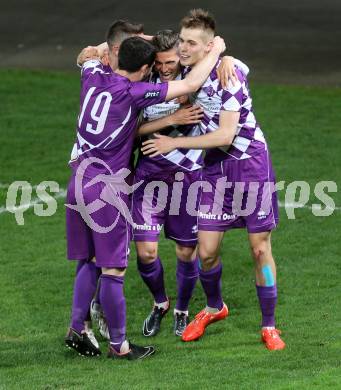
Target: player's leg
{"points": [[181, 227], [211, 268], [114, 306], [146, 235], [260, 222], [88, 325], [151, 271], [80, 247], [80, 335], [187, 273], [210, 277], [84, 289], [265, 270], [211, 231]]}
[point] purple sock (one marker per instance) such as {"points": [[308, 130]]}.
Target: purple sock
{"points": [[152, 275], [211, 283], [187, 274], [267, 297], [114, 308], [83, 292]]}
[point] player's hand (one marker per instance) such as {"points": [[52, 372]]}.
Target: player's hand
{"points": [[159, 145], [187, 115], [219, 44], [184, 99], [88, 53], [105, 57], [226, 71]]}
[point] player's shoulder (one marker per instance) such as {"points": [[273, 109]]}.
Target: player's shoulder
{"points": [[94, 72], [240, 75]]}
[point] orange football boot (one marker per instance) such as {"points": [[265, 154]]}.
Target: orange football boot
{"points": [[271, 339], [196, 328]]}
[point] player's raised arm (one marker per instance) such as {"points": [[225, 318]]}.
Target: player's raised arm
{"points": [[199, 72], [223, 136], [93, 52]]}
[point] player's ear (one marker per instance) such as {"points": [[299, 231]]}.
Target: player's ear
{"points": [[209, 46], [115, 50], [144, 70]]}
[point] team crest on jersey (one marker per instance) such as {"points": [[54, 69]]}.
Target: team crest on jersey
{"points": [[209, 91], [151, 94]]}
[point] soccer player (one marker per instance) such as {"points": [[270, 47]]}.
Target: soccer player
{"points": [[178, 170], [117, 33], [237, 154], [109, 109]]}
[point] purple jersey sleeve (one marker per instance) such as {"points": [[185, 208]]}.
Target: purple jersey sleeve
{"points": [[91, 67], [148, 94]]}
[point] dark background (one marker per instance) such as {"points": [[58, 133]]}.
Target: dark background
{"points": [[293, 41]]}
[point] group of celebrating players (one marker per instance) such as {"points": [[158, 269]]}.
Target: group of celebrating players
{"points": [[194, 100]]}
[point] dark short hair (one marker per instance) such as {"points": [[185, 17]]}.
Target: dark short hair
{"points": [[135, 52], [165, 40], [121, 30], [199, 18]]}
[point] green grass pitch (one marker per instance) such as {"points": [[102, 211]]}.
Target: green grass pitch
{"points": [[302, 124]]}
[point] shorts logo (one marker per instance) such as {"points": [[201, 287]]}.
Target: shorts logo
{"points": [[261, 214], [151, 94], [195, 229]]}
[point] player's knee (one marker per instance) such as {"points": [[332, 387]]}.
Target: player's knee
{"points": [[259, 251], [185, 253], [114, 271], [147, 255], [208, 260]]}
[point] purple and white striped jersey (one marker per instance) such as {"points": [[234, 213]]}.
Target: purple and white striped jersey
{"points": [[109, 109], [249, 139], [183, 159]]}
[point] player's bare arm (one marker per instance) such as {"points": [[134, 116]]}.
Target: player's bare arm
{"points": [[99, 52], [223, 136], [198, 74], [88, 53], [183, 116]]}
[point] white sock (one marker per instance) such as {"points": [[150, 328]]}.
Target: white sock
{"points": [[176, 311], [124, 347], [162, 305], [212, 310]]}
